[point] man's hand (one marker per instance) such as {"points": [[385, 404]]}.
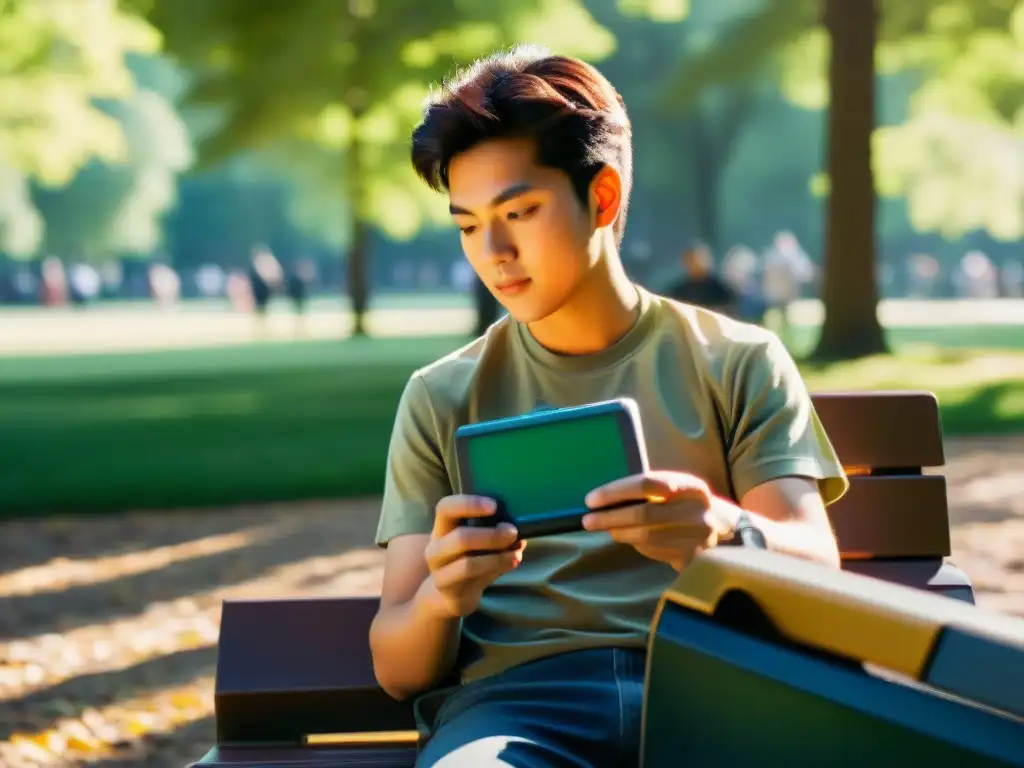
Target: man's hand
{"points": [[673, 519], [463, 561]]}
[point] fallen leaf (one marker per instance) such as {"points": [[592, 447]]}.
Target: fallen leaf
{"points": [[50, 741], [191, 639], [186, 700]]}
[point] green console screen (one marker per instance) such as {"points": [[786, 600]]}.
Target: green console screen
{"points": [[548, 467]]}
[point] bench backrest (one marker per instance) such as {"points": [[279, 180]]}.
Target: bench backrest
{"points": [[885, 439], [289, 668]]}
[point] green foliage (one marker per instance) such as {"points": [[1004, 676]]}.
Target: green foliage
{"points": [[656, 10], [956, 157], [748, 37], [959, 158], [113, 208], [97, 155], [21, 226], [56, 58], [303, 80]]}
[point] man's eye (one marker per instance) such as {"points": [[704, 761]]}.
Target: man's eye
{"points": [[468, 230], [524, 213]]}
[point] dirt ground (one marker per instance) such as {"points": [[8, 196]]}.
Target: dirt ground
{"points": [[108, 627]]}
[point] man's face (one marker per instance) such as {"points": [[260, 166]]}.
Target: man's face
{"points": [[524, 231]]}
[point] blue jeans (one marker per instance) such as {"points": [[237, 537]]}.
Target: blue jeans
{"points": [[573, 710]]}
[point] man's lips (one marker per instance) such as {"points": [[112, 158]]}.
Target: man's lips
{"points": [[512, 287]]}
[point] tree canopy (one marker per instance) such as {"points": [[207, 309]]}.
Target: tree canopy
{"points": [[957, 151], [332, 90], [87, 160]]}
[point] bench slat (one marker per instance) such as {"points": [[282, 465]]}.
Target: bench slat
{"points": [[883, 429], [892, 517]]}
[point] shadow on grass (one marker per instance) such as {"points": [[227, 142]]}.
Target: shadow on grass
{"points": [[41, 709], [26, 543], [176, 749], [990, 410], [273, 424], [204, 440], [960, 516], [23, 616]]}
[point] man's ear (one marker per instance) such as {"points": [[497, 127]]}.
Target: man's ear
{"points": [[606, 196]]}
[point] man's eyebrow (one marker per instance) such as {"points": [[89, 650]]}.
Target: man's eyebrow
{"points": [[502, 197]]}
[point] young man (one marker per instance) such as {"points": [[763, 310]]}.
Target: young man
{"points": [[548, 639]]}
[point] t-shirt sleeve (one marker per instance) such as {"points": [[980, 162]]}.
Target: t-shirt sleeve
{"points": [[416, 476], [775, 431]]}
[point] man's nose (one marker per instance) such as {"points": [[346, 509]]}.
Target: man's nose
{"points": [[498, 244]]}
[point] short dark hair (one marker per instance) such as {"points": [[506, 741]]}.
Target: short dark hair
{"points": [[575, 115]]}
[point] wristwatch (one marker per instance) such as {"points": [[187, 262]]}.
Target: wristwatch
{"points": [[746, 534]]}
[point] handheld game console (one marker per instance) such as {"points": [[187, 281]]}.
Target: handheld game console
{"points": [[539, 467]]}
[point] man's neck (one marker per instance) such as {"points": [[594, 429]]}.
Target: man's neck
{"points": [[602, 311]]}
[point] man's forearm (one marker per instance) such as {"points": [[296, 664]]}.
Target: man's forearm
{"points": [[793, 537], [413, 646], [797, 538]]}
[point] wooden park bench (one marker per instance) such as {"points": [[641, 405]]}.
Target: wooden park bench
{"points": [[295, 683]]}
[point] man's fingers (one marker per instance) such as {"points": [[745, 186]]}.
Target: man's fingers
{"points": [[452, 510], [623, 517], [464, 539], [667, 537], [681, 513], [468, 569], [655, 487]]}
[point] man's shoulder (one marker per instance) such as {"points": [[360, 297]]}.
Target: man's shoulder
{"points": [[716, 333], [449, 380]]}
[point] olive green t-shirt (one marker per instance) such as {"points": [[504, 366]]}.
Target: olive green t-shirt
{"points": [[718, 398]]}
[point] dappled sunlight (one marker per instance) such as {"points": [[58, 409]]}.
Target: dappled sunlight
{"points": [[122, 329], [943, 368], [62, 572], [121, 729], [219, 269], [129, 681], [993, 555], [985, 486], [106, 687], [128, 664], [1002, 491]]}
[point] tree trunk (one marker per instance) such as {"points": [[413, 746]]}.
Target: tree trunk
{"points": [[486, 307], [356, 268], [850, 291], [713, 130], [706, 171], [359, 248]]}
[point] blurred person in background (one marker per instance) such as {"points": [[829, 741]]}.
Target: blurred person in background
{"points": [[239, 291], [210, 281], [164, 285], [976, 277], [787, 270], [25, 285], [85, 283], [741, 272], [112, 279], [54, 282], [1011, 279], [298, 285], [700, 285], [265, 277], [924, 271]]}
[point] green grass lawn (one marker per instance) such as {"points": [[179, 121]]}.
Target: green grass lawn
{"points": [[297, 420]]}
